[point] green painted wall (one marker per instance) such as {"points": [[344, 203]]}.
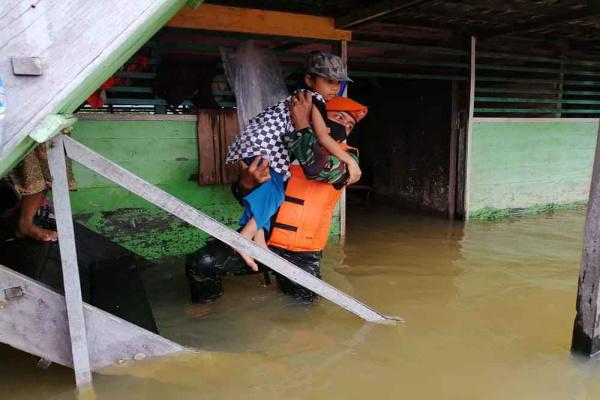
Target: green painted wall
{"points": [[518, 166], [165, 154]]}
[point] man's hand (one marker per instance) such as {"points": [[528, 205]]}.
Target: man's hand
{"points": [[354, 171], [253, 175], [300, 109]]}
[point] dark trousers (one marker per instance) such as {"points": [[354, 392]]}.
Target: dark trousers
{"points": [[205, 267]]}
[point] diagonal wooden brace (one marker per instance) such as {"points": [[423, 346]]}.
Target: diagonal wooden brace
{"points": [[68, 256], [167, 202]]}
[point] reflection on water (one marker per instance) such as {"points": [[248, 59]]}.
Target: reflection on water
{"points": [[489, 310]]}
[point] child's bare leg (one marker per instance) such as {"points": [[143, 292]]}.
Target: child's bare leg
{"points": [[249, 231], [259, 238]]}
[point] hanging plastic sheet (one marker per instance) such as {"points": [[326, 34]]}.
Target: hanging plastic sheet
{"points": [[255, 76]]}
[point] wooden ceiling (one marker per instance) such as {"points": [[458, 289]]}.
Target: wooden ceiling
{"points": [[576, 21]]}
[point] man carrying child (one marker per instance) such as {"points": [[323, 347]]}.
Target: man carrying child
{"points": [[272, 136], [301, 228]]}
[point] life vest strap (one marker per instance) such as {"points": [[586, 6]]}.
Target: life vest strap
{"points": [[285, 227], [294, 200]]}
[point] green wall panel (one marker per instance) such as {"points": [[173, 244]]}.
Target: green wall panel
{"points": [[164, 153], [520, 165]]}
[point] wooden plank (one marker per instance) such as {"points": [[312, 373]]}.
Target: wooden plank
{"points": [[453, 151], [563, 19], [249, 36], [247, 20], [535, 110], [469, 138], [409, 48], [511, 56], [36, 323], [135, 102], [134, 117], [209, 167], [134, 184], [401, 75], [409, 61], [500, 67], [480, 89], [68, 256], [529, 120], [342, 50], [530, 100], [73, 69], [375, 11], [130, 89], [228, 129], [586, 332], [135, 75]]}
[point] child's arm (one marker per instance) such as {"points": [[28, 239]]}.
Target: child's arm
{"points": [[322, 134]]}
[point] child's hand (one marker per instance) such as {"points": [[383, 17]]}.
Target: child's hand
{"points": [[354, 172], [300, 109]]}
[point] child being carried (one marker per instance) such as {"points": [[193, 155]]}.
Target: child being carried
{"points": [[271, 136]]}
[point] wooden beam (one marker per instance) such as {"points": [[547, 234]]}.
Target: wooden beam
{"points": [[586, 329], [36, 323], [68, 257], [375, 11], [342, 50], [73, 69], [563, 18], [247, 20], [468, 155], [192, 216], [453, 151]]}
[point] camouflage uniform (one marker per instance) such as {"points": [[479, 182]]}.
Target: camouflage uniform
{"points": [[316, 162]]}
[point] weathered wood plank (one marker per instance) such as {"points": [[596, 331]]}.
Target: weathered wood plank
{"points": [[229, 127], [68, 256], [134, 117], [453, 156], [468, 156], [72, 69], [36, 323], [247, 20], [136, 185], [586, 329], [208, 148], [375, 11]]}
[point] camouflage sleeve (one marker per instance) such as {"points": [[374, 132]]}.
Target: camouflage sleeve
{"points": [[316, 162]]}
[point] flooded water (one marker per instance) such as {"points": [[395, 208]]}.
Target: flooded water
{"points": [[489, 310]]}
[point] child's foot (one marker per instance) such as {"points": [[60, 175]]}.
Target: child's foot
{"points": [[249, 261]]}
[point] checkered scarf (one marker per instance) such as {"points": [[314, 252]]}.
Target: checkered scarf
{"points": [[262, 137]]}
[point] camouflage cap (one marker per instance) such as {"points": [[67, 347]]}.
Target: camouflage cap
{"points": [[327, 65]]}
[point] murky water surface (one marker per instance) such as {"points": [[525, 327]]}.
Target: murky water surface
{"points": [[489, 311]]}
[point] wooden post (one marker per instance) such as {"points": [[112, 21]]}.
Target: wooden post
{"points": [[453, 156], [343, 52], [36, 321], [470, 126], [561, 77], [189, 214], [68, 256], [586, 329]]}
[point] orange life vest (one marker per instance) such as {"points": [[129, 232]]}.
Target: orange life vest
{"points": [[304, 218]]}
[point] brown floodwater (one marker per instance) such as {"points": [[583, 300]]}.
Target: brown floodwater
{"points": [[489, 310]]}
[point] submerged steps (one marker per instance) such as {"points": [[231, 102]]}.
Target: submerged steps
{"points": [[110, 274]]}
